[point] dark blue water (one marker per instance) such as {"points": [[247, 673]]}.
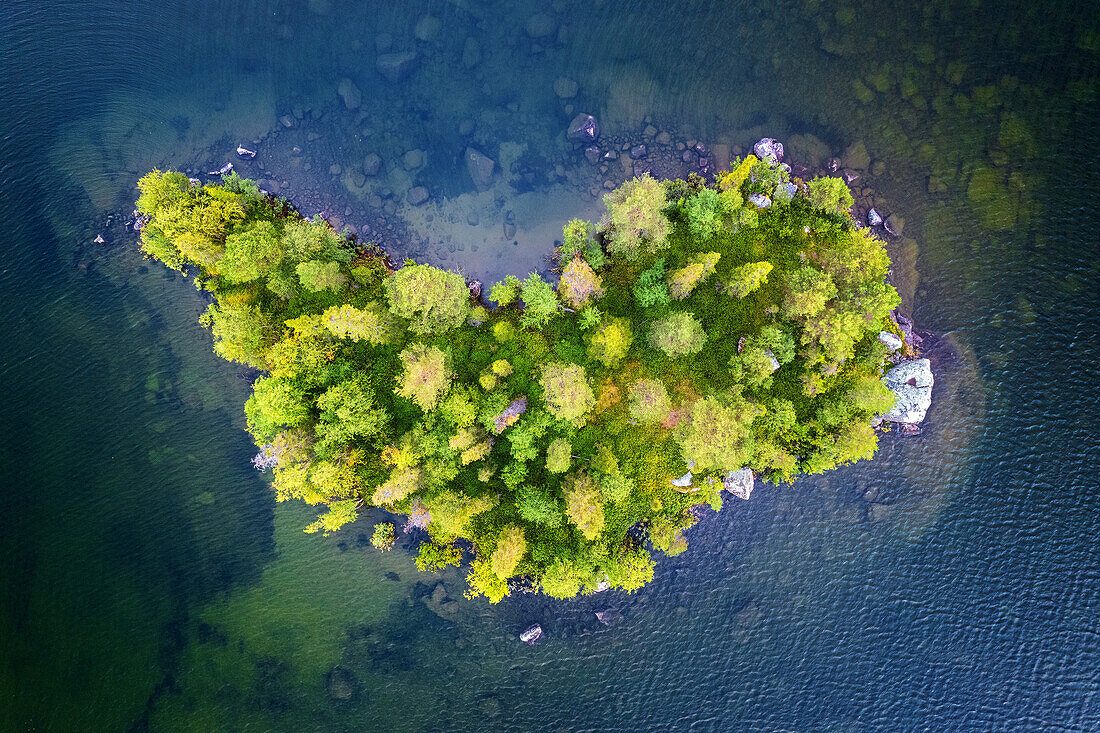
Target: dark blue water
{"points": [[149, 581]]}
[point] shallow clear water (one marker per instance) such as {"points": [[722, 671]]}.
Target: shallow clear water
{"points": [[149, 581]]}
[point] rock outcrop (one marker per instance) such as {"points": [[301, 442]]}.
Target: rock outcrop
{"points": [[531, 634], [911, 382], [740, 483], [768, 147]]}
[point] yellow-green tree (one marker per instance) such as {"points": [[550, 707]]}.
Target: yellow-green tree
{"points": [[566, 391], [426, 376]]}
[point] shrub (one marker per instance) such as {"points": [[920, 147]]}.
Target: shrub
{"points": [[610, 341], [566, 391], [649, 401]]}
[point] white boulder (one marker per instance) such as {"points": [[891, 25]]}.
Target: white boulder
{"points": [[740, 483], [891, 341], [911, 382], [769, 147]]}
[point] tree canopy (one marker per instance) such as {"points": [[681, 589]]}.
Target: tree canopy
{"points": [[689, 332]]}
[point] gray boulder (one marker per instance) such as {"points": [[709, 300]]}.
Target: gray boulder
{"points": [[911, 382], [873, 218], [480, 167], [396, 67], [583, 129], [891, 341], [760, 200], [768, 146], [531, 634], [683, 482], [785, 192], [740, 483]]}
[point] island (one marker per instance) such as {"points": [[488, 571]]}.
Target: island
{"points": [[554, 433]]}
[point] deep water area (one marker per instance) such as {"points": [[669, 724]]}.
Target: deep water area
{"points": [[151, 582]]}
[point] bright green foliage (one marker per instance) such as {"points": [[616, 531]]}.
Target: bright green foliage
{"points": [[316, 276], [765, 178], [339, 513], [250, 252], [402, 482], [566, 391], [677, 334], [384, 536], [829, 194], [504, 293], [808, 290], [650, 289], [554, 422], [348, 411], [274, 403], [746, 278], [434, 300], [610, 341], [717, 435], [706, 211], [635, 222], [559, 456], [482, 581], [699, 267], [432, 556], [426, 376], [583, 504], [511, 547], [565, 578], [649, 401], [540, 303], [372, 323]]}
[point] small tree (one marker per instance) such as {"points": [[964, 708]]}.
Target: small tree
{"points": [[610, 341], [317, 276], [566, 391], [808, 290], [511, 547], [635, 221], [829, 194], [650, 288], [540, 303], [559, 456], [250, 252], [504, 293], [583, 504], [699, 267], [434, 300], [578, 283], [677, 334], [373, 323], [426, 376], [747, 278], [716, 435]]}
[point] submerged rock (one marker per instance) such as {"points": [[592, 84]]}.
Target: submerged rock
{"points": [[911, 382], [531, 634], [565, 88], [245, 152], [396, 67], [480, 167], [417, 195], [583, 129], [372, 164], [341, 685], [768, 147], [740, 483], [541, 25], [609, 616], [350, 94]]}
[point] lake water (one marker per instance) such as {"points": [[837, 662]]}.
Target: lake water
{"points": [[149, 581]]}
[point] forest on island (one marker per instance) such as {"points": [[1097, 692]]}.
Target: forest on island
{"points": [[557, 434]]}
